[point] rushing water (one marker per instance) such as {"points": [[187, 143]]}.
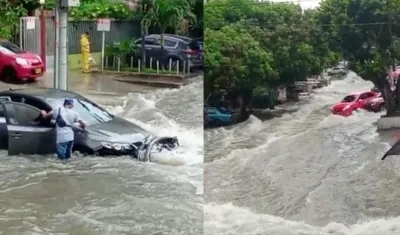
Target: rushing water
{"points": [[116, 196], [308, 172]]}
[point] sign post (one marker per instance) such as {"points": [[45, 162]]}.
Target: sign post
{"points": [[103, 26], [30, 22]]}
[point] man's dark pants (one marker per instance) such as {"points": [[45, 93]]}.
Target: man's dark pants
{"points": [[64, 150]]}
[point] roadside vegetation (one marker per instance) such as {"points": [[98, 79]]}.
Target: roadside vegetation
{"points": [[251, 46], [167, 16]]}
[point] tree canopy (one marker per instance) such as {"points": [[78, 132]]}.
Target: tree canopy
{"points": [[262, 44], [297, 43], [366, 32]]}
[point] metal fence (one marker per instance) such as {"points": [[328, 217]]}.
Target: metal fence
{"points": [[29, 34], [119, 31]]}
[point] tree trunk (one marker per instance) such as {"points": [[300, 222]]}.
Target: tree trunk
{"points": [[244, 115], [163, 55], [143, 49], [383, 85], [390, 105], [397, 93], [162, 39]]}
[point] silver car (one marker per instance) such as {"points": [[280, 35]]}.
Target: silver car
{"points": [[339, 70]]}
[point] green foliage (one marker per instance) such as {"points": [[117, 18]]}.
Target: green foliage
{"points": [[168, 14], [121, 49], [265, 44], [367, 46], [198, 11], [101, 9], [10, 12], [235, 59], [366, 32]]}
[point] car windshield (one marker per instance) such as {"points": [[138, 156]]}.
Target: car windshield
{"points": [[11, 47], [90, 113], [349, 98]]}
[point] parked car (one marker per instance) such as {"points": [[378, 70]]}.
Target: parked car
{"points": [[23, 131], [216, 117], [375, 89], [353, 102], [17, 65], [339, 70], [178, 50], [376, 104], [201, 45]]}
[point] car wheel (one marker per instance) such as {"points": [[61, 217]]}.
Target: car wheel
{"points": [[9, 75]]}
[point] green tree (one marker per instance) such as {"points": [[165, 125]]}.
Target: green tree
{"points": [[101, 9], [10, 12], [234, 59], [198, 10], [291, 42], [366, 31], [166, 14]]}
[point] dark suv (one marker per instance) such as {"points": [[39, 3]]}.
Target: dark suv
{"points": [[176, 48]]}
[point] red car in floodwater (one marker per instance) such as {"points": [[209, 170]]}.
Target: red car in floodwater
{"points": [[18, 65], [353, 102]]}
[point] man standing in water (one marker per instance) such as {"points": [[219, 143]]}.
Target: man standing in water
{"points": [[65, 118]]}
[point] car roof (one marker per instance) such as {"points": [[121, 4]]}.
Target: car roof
{"points": [[171, 37], [180, 37], [44, 93]]}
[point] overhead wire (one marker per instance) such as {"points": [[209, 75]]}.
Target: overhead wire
{"points": [[256, 22]]}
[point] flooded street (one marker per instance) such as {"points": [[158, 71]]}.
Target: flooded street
{"points": [[309, 173], [100, 195]]}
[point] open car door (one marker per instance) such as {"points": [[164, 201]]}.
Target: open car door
{"points": [[25, 135]]}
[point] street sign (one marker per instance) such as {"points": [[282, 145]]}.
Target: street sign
{"points": [[103, 25], [30, 22]]}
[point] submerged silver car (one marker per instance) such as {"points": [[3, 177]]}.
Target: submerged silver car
{"points": [[23, 131]]}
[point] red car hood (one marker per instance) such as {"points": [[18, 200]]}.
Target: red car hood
{"points": [[28, 56], [340, 106]]}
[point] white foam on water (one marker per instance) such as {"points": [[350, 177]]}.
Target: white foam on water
{"points": [[190, 151], [228, 219]]}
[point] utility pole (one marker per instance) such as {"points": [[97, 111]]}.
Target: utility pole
{"points": [[63, 62], [62, 8], [56, 52], [142, 37]]}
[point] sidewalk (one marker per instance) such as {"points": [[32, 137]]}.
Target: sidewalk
{"points": [[86, 84]]}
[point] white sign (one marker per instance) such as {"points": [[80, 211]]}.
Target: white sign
{"points": [[103, 25], [30, 22]]}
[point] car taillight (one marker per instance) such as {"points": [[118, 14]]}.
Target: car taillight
{"points": [[190, 51]]}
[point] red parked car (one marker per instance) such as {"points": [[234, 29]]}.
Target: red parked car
{"points": [[17, 65], [353, 102]]}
